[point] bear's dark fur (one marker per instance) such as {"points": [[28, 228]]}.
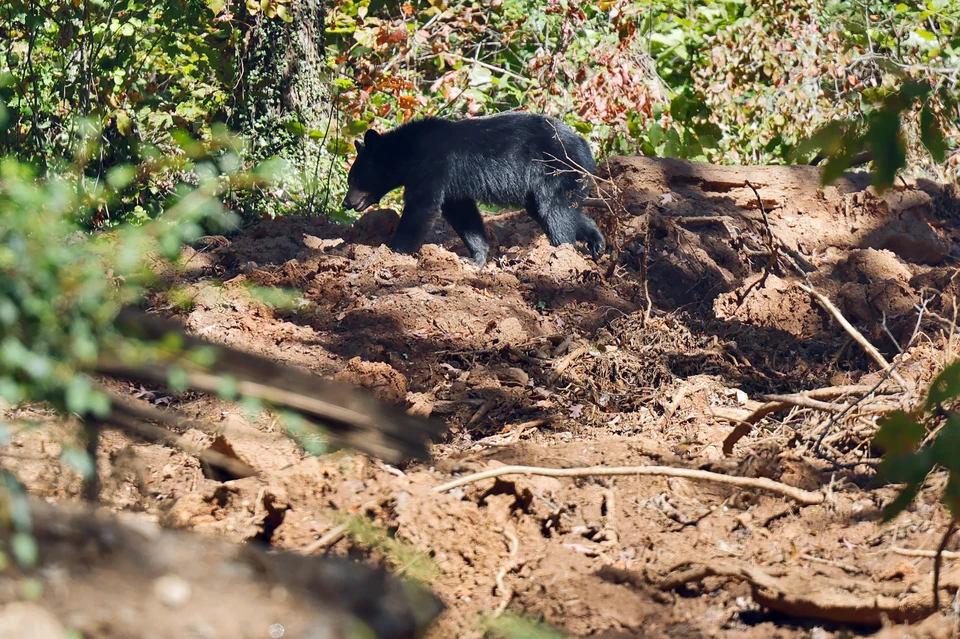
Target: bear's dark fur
{"points": [[510, 160]]}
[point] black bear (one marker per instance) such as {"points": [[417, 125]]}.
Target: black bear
{"points": [[510, 159]]}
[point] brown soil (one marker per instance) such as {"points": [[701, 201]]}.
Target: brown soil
{"points": [[545, 358]]}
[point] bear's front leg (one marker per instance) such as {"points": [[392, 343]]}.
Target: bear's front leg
{"points": [[465, 218], [419, 213]]}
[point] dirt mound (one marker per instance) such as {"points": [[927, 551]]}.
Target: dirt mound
{"points": [[654, 355]]}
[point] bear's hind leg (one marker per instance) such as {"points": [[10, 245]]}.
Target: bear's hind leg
{"points": [[466, 220], [419, 214]]}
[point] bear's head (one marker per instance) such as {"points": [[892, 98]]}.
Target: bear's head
{"points": [[368, 180]]}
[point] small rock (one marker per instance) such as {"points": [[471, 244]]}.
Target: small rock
{"points": [[18, 620], [173, 591], [513, 377]]}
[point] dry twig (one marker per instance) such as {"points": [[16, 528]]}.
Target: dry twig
{"points": [[332, 536], [919, 552], [837, 600], [506, 594], [772, 247], [938, 561], [804, 497], [854, 333], [745, 419]]}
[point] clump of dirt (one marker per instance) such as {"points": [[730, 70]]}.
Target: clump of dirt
{"points": [[695, 337]]}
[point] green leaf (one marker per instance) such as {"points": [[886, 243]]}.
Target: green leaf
{"points": [[356, 127], [889, 149], [908, 468], [24, 549], [339, 147], [31, 589], [946, 447], [228, 387], [295, 128], [119, 177], [77, 460], [76, 395], [951, 493], [252, 406], [901, 501], [899, 433], [177, 379], [511, 626], [19, 512], [304, 433], [98, 404], [944, 387], [926, 35], [932, 135], [835, 166]]}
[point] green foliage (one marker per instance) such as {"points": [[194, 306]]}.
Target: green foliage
{"points": [[118, 91], [403, 557], [910, 454], [881, 132], [737, 82], [90, 86], [511, 626], [15, 515], [718, 81], [60, 289]]}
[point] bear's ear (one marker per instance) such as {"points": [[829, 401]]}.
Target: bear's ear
{"points": [[359, 145], [370, 137]]}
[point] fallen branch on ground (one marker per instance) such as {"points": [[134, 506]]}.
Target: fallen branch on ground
{"points": [[797, 594], [805, 497], [348, 416], [506, 594], [132, 417], [745, 418], [854, 333], [919, 552]]}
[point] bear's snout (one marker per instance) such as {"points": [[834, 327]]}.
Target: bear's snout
{"points": [[358, 200]]}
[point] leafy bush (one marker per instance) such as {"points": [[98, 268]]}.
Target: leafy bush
{"points": [[725, 82], [61, 289], [716, 81], [915, 443], [95, 85]]}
